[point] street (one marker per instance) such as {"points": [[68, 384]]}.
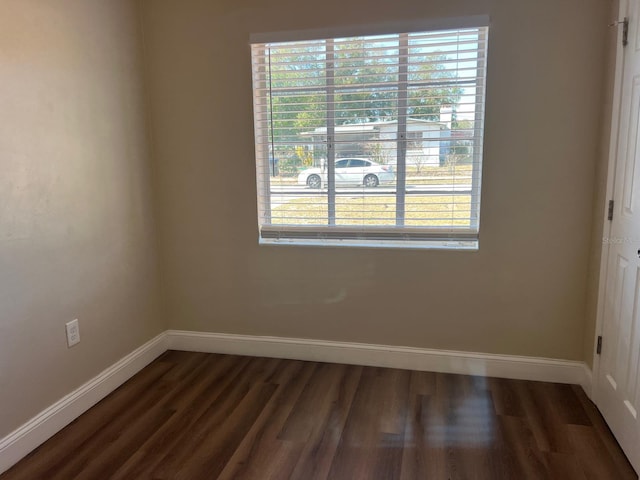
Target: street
{"points": [[281, 195]]}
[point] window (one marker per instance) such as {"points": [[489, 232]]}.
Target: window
{"points": [[371, 140], [358, 163]]}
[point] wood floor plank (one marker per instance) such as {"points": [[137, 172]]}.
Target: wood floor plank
{"points": [[217, 446], [74, 445], [566, 403], [562, 466], [423, 383], [205, 416], [526, 461], [311, 404], [505, 397], [320, 449], [421, 456], [262, 454], [604, 434], [394, 402], [543, 418], [363, 442], [217, 408], [195, 398], [591, 454], [465, 424], [104, 463]]}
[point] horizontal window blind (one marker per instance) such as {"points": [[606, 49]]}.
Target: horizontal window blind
{"points": [[370, 138]]}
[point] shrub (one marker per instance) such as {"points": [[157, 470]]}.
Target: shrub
{"points": [[289, 167]]}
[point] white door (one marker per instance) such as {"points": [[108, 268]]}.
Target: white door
{"points": [[618, 385]]}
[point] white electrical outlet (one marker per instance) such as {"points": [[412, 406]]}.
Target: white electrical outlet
{"points": [[73, 333]]}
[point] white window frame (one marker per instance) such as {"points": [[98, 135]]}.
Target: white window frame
{"points": [[462, 238]]}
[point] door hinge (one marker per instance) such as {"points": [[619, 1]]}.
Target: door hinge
{"points": [[625, 30], [599, 346], [610, 212]]}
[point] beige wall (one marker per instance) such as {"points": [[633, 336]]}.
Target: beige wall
{"points": [[523, 293], [75, 207]]}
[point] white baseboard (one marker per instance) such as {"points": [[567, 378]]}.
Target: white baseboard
{"points": [[36, 431], [587, 380], [444, 361], [19, 443]]}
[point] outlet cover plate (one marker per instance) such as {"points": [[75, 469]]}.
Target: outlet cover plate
{"points": [[73, 333]]}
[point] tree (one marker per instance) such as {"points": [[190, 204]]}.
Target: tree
{"points": [[461, 146], [365, 80], [296, 81], [305, 156], [419, 161], [379, 153]]}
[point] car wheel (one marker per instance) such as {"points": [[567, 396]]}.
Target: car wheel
{"points": [[314, 181], [371, 181]]}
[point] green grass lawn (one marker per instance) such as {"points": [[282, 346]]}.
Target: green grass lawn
{"points": [[421, 210], [458, 170]]}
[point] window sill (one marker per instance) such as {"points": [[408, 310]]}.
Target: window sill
{"points": [[460, 245]]}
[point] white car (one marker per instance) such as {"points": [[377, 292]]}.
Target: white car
{"points": [[349, 171]]}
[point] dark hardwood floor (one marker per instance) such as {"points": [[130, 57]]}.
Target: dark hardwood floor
{"points": [[201, 416]]}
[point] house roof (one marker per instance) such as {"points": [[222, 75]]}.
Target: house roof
{"points": [[368, 127]]}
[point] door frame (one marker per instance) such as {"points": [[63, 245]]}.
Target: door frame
{"points": [[623, 9]]}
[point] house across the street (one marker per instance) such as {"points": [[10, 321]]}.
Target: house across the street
{"points": [[428, 142]]}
